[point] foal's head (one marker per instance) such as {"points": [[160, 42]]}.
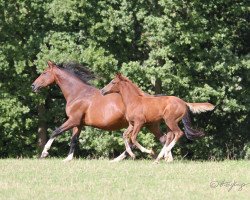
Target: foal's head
{"points": [[114, 85], [45, 79]]}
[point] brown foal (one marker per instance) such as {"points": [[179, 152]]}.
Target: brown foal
{"points": [[86, 106], [141, 109]]}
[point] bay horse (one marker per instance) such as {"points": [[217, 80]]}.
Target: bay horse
{"points": [[141, 109], [86, 106]]}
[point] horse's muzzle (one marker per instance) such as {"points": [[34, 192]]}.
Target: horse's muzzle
{"points": [[103, 92], [34, 88]]}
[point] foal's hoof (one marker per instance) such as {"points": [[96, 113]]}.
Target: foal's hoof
{"points": [[133, 156], [44, 154], [114, 161], [169, 160], [152, 153], [156, 162]]}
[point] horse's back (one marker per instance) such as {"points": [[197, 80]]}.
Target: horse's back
{"points": [[155, 108]]}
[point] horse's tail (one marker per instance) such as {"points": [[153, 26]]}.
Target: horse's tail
{"points": [[195, 108]]}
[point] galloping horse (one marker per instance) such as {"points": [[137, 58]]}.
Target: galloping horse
{"points": [[86, 106], [141, 109]]}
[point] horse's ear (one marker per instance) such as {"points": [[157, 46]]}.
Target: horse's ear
{"points": [[51, 64]]}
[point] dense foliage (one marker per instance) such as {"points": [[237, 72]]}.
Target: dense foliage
{"points": [[197, 50]]}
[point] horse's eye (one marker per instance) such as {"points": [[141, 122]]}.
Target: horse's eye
{"points": [[44, 72]]}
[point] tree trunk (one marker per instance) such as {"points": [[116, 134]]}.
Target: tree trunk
{"points": [[42, 127], [157, 86]]}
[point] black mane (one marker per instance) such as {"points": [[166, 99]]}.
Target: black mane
{"points": [[78, 70]]}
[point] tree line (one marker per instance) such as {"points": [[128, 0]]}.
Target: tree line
{"points": [[196, 50]]}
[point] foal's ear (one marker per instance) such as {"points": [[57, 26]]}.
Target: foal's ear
{"points": [[119, 75], [51, 64]]}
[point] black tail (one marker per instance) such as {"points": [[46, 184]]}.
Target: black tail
{"points": [[190, 133]]}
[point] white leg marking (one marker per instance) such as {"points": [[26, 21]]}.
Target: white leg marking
{"points": [[170, 146], [143, 149], [169, 157], [165, 150], [128, 149], [47, 147], [69, 157], [120, 157]]}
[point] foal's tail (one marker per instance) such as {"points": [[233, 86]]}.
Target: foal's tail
{"points": [[195, 108], [200, 107]]}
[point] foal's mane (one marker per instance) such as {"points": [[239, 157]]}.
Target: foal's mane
{"points": [[140, 92], [78, 70]]}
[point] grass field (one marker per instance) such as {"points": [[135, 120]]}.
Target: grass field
{"points": [[140, 179]]}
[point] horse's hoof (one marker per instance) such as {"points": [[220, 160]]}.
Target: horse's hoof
{"points": [[44, 154], [67, 160]]}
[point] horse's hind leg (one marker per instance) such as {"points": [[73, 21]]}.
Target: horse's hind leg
{"points": [[155, 129], [168, 155], [73, 143], [177, 134], [64, 127]]}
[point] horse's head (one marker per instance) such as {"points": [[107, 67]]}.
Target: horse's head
{"points": [[45, 79], [113, 86]]}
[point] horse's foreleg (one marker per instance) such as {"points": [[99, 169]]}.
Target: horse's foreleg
{"points": [[136, 130], [120, 157], [64, 127], [73, 143], [126, 140], [47, 146]]}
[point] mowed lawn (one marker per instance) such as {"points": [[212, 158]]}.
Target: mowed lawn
{"points": [[139, 179]]}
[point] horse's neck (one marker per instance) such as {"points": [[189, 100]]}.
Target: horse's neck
{"points": [[71, 86], [129, 94]]}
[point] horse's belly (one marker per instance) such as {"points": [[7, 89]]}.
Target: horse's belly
{"points": [[106, 119]]}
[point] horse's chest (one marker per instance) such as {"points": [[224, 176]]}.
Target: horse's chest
{"points": [[135, 114]]}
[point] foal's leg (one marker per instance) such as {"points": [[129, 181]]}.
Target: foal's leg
{"points": [[120, 157], [177, 134], [155, 129], [126, 140], [64, 127], [168, 155], [136, 130], [74, 139]]}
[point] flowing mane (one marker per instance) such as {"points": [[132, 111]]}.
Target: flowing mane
{"points": [[78, 70], [140, 92]]}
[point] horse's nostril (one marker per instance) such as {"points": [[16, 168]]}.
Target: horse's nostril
{"points": [[32, 86], [102, 91]]}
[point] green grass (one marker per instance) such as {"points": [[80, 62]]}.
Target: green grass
{"points": [[139, 179]]}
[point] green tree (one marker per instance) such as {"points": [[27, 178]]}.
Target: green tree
{"points": [[197, 50]]}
